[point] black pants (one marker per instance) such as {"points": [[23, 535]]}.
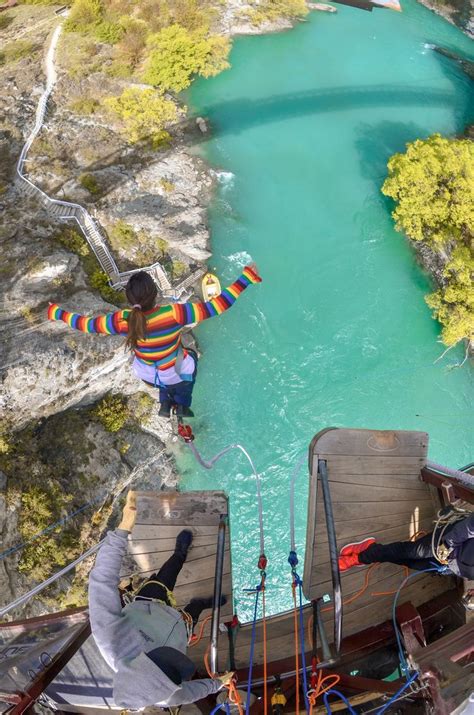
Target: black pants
{"points": [[167, 575], [417, 555], [182, 392]]}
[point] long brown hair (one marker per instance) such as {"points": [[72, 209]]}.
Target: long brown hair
{"points": [[141, 292]]}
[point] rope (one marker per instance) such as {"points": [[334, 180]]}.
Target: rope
{"points": [[339, 695], [60, 522], [252, 648], [403, 660], [294, 474], [195, 639], [186, 433]]}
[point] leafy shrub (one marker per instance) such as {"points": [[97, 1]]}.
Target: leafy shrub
{"points": [[90, 183], [40, 507], [112, 412], [5, 20], [167, 185], [14, 51], [84, 105], [179, 268], [99, 280], [122, 235], [144, 113], [271, 10], [133, 41], [433, 185], [176, 54], [84, 15], [73, 241], [110, 32]]}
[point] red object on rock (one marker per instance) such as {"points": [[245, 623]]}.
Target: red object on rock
{"points": [[186, 432]]}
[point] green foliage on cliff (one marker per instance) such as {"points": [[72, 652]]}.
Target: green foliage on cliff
{"points": [[144, 114], [75, 242], [112, 412], [433, 186], [90, 183], [176, 54], [14, 51], [271, 10]]}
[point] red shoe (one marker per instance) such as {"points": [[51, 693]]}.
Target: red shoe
{"points": [[356, 547], [348, 562]]}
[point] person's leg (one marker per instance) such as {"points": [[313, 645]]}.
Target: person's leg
{"points": [[405, 553], [165, 402], [197, 605], [169, 572]]}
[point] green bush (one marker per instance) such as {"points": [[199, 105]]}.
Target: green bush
{"points": [[73, 241], [144, 113], [5, 20], [433, 186], [99, 280], [84, 16], [14, 51], [90, 183], [84, 105], [176, 54], [271, 10], [112, 412], [123, 236], [41, 506], [109, 32], [179, 268]]}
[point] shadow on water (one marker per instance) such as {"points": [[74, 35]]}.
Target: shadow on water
{"points": [[376, 143], [241, 114]]}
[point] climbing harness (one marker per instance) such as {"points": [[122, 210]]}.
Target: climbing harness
{"points": [[445, 518]]}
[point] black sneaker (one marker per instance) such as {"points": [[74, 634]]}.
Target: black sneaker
{"points": [[206, 602], [183, 542], [165, 409]]}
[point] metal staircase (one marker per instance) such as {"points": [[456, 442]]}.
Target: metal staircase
{"points": [[68, 212]]}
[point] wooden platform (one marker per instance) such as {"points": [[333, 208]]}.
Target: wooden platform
{"points": [[160, 518], [375, 491]]}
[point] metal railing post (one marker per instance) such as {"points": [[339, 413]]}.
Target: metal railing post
{"points": [[333, 554], [216, 606]]}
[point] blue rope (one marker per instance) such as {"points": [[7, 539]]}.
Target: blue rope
{"points": [[252, 647], [18, 547], [403, 660], [339, 695], [397, 694], [303, 656]]}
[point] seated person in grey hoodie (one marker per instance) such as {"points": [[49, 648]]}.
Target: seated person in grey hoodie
{"points": [[145, 641]]}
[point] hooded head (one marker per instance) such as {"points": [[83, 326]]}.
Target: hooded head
{"points": [[151, 678]]}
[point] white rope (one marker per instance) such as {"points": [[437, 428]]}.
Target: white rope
{"points": [[294, 474], [208, 464]]}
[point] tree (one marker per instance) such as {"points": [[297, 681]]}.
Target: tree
{"points": [[176, 54], [433, 185], [145, 113]]}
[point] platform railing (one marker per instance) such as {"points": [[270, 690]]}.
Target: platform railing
{"points": [[334, 560], [216, 601]]}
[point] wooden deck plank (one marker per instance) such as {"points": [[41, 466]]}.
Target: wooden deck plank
{"points": [[343, 492], [142, 532], [375, 491], [361, 442]]}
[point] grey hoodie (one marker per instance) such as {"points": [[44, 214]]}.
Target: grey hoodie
{"points": [[125, 635]]}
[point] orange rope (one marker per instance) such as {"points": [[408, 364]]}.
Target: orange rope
{"points": [[234, 695], [195, 639], [297, 648], [265, 686]]}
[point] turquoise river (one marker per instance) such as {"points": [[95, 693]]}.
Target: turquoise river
{"points": [[338, 333]]}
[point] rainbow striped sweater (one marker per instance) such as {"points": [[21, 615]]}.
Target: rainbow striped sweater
{"points": [[164, 322]]}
